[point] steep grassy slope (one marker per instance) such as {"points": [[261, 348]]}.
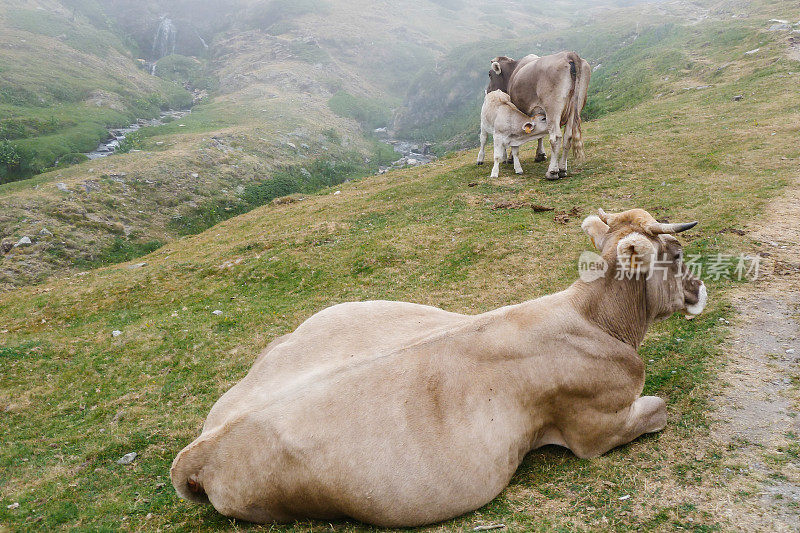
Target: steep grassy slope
{"points": [[64, 79], [301, 86], [74, 398]]}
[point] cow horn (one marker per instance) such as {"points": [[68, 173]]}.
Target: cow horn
{"points": [[657, 228], [605, 217], [496, 67]]}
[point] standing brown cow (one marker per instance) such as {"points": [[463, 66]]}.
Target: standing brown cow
{"points": [[556, 84]]}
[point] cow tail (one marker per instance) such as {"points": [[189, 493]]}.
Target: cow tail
{"points": [[575, 106], [187, 470]]}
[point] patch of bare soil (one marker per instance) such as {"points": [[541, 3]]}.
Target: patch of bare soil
{"points": [[756, 416]]}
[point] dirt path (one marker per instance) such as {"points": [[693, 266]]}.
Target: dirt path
{"points": [[756, 416]]}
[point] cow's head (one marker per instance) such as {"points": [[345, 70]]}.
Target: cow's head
{"points": [[499, 73], [636, 246]]}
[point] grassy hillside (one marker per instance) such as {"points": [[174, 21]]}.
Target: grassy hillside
{"points": [[293, 86], [65, 79], [74, 398], [636, 54]]}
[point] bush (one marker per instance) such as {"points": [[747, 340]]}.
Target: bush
{"points": [[8, 154]]}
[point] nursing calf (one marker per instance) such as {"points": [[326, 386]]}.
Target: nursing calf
{"points": [[510, 128], [398, 414], [557, 84]]}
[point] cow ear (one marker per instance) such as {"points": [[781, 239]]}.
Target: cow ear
{"points": [[496, 67], [635, 253], [596, 229]]}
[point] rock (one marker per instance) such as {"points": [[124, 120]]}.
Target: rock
{"points": [[6, 245], [337, 192], [305, 146], [14, 505], [780, 27], [291, 145], [216, 312], [25, 241], [751, 52], [738, 97], [622, 498], [136, 265], [116, 333], [195, 175], [127, 459], [44, 232], [597, 66], [412, 161], [790, 351], [62, 187]]}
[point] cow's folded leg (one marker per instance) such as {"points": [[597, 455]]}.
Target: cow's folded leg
{"points": [[647, 414], [515, 155]]}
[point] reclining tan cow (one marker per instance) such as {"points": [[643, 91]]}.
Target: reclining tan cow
{"points": [[398, 414], [557, 85], [510, 128]]}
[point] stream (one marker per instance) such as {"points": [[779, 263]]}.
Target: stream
{"points": [[411, 153], [117, 135]]}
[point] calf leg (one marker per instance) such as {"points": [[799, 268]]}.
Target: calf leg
{"points": [[515, 155], [540, 155], [499, 155], [600, 433], [482, 151]]}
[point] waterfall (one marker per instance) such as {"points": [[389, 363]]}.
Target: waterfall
{"points": [[164, 42]]}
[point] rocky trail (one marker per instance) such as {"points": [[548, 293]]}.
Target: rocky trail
{"points": [[756, 415]]}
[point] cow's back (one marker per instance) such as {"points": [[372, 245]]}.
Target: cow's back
{"points": [[402, 430], [337, 335], [536, 81]]}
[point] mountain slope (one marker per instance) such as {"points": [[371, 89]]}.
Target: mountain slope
{"points": [[65, 79], [295, 89], [427, 235]]}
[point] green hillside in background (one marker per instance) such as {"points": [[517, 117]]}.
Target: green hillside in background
{"points": [[64, 80]]}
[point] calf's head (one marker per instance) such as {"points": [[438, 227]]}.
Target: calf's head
{"points": [[536, 125], [636, 246]]}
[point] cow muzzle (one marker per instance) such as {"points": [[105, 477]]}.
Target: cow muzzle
{"points": [[694, 309]]}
